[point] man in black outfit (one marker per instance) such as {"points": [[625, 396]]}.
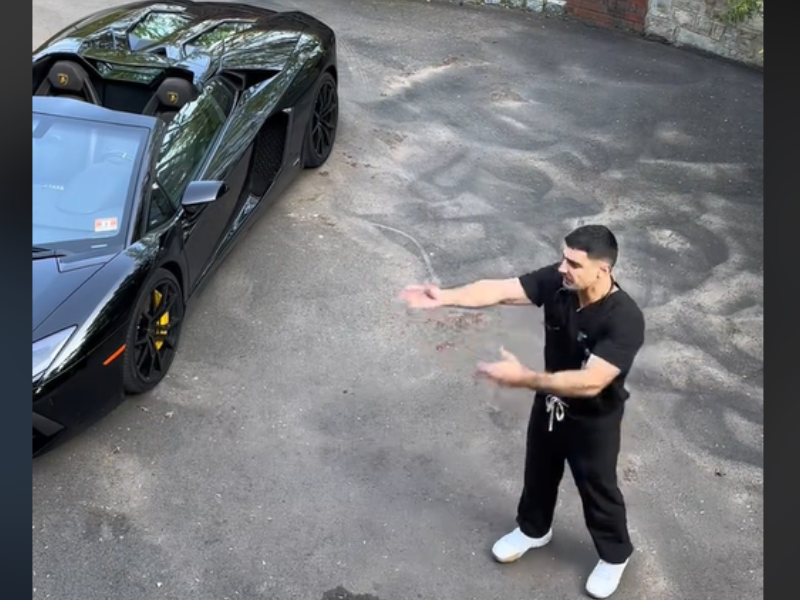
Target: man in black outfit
{"points": [[593, 331]]}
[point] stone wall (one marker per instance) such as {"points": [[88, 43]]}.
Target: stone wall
{"points": [[697, 24], [691, 23], [551, 7]]}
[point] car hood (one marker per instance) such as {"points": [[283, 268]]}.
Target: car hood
{"points": [[53, 284]]}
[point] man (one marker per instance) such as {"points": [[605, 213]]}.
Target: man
{"points": [[593, 331]]}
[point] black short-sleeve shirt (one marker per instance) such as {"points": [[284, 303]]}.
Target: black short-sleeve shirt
{"points": [[612, 329]]}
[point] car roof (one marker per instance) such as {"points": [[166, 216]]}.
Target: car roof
{"points": [[77, 109]]}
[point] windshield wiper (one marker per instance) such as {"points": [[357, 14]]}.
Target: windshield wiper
{"points": [[42, 252]]}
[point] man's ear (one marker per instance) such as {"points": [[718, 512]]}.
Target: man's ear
{"points": [[602, 268]]}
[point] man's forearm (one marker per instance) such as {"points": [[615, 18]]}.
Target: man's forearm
{"points": [[566, 384], [486, 292], [483, 293]]}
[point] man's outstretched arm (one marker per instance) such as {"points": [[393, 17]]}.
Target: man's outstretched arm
{"points": [[530, 288], [485, 292]]}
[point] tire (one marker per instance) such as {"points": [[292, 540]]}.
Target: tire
{"points": [[320, 135], [150, 347]]}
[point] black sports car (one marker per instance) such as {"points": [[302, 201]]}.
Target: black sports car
{"points": [[160, 133]]}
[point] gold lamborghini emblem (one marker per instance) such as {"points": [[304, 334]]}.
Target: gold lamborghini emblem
{"points": [[172, 97], [63, 79]]}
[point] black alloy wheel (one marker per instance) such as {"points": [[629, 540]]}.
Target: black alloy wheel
{"points": [[324, 123], [154, 333]]}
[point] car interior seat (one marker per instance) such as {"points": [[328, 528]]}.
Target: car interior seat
{"points": [[67, 79], [171, 96]]}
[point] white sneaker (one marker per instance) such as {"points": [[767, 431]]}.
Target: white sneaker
{"points": [[513, 545], [605, 579]]}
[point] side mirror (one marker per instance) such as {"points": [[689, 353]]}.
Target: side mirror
{"points": [[203, 192]]}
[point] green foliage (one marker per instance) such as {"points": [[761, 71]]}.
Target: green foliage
{"points": [[740, 11]]}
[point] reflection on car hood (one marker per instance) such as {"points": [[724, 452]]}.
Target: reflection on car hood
{"points": [[52, 286]]}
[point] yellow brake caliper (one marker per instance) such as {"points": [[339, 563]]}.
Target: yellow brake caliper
{"points": [[162, 322]]}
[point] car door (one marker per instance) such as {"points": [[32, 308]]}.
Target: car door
{"points": [[189, 142]]}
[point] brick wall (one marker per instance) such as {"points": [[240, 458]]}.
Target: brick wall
{"points": [[628, 15]]}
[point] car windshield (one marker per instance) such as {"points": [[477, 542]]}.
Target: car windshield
{"points": [[83, 175]]}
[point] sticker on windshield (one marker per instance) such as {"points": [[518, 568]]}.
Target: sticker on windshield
{"points": [[105, 225]]}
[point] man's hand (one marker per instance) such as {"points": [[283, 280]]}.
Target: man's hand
{"points": [[508, 372], [422, 296]]}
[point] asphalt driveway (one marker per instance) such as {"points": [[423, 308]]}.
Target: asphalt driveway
{"points": [[316, 442]]}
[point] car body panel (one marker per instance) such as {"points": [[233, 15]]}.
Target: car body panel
{"points": [[270, 41], [52, 286], [271, 64]]}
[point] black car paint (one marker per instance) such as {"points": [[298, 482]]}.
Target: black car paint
{"points": [[97, 292]]}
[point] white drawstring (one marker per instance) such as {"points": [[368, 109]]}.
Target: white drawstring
{"points": [[557, 409]]}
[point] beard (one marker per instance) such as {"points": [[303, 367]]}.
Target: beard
{"points": [[568, 285]]}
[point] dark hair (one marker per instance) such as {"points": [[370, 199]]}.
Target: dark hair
{"points": [[596, 240]]}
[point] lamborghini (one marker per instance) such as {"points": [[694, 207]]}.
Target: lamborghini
{"points": [[161, 132]]}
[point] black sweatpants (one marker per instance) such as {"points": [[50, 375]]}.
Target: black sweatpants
{"points": [[590, 445]]}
